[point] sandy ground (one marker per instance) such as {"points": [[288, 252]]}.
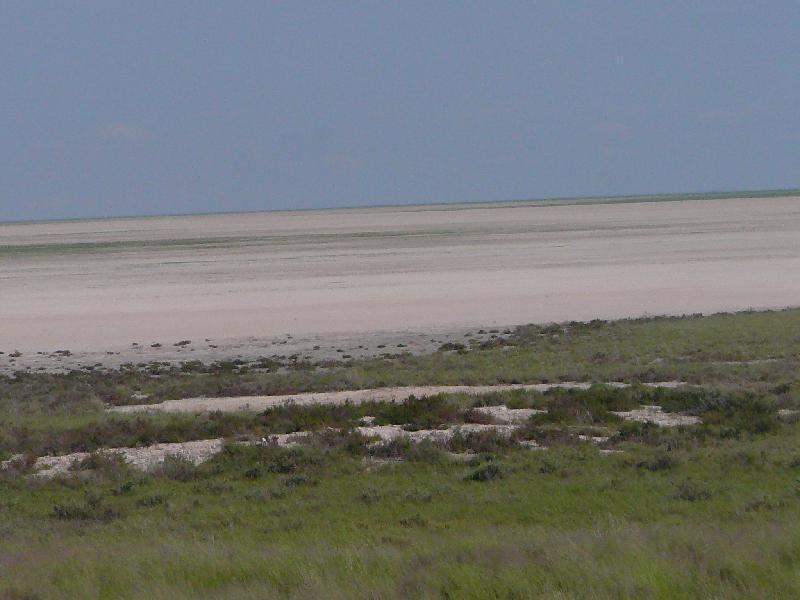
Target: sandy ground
{"points": [[655, 414], [389, 394], [242, 281], [144, 458]]}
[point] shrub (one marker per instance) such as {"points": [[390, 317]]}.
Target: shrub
{"points": [[252, 473], [765, 502], [124, 488], [549, 435], [350, 441], [740, 457], [370, 496], [547, 467], [298, 480], [274, 459], [413, 521], [20, 465], [692, 491], [451, 346], [426, 452], [106, 464], [151, 501], [743, 412], [674, 438], [396, 448], [419, 413], [586, 406], [488, 472], [92, 509], [481, 441], [658, 462], [177, 468], [418, 495], [289, 418], [477, 416]]}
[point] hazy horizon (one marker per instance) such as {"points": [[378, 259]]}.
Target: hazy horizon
{"points": [[111, 109], [559, 200]]}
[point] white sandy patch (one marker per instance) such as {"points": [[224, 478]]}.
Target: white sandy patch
{"points": [[285, 440], [656, 415], [389, 433], [503, 414], [145, 458], [531, 445], [594, 439], [392, 394]]}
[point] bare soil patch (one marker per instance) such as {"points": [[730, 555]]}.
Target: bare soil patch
{"points": [[391, 394]]}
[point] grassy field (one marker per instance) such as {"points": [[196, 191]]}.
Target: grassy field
{"points": [[708, 510]]}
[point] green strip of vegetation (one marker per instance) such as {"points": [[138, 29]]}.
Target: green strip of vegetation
{"points": [[705, 510], [287, 523], [753, 350]]}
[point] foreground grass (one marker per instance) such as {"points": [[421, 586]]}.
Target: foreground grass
{"points": [[708, 510], [312, 523]]}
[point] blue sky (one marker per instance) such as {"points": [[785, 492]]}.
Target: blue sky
{"points": [[116, 108]]}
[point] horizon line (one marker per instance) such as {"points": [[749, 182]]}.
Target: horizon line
{"points": [[545, 201]]}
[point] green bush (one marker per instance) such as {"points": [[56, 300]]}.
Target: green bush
{"points": [[660, 461], [177, 468], [692, 491], [91, 509], [488, 472]]}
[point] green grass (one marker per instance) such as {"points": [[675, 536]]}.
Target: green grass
{"points": [[703, 511], [569, 521], [724, 413]]}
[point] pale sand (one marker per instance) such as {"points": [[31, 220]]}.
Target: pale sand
{"points": [[656, 415], [101, 285], [389, 433], [506, 416], [389, 394], [143, 458]]}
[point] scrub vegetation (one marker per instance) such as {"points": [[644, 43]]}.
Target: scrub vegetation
{"points": [[598, 507]]}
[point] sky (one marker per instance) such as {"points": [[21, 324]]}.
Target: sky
{"points": [[123, 108]]}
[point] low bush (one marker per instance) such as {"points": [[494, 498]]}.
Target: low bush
{"points": [[152, 500], [291, 460], [20, 465], [660, 461], [548, 435], [91, 509], [413, 521], [105, 464], [418, 413], [587, 407], [692, 491], [371, 496], [298, 479], [488, 472], [480, 441], [177, 468]]}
